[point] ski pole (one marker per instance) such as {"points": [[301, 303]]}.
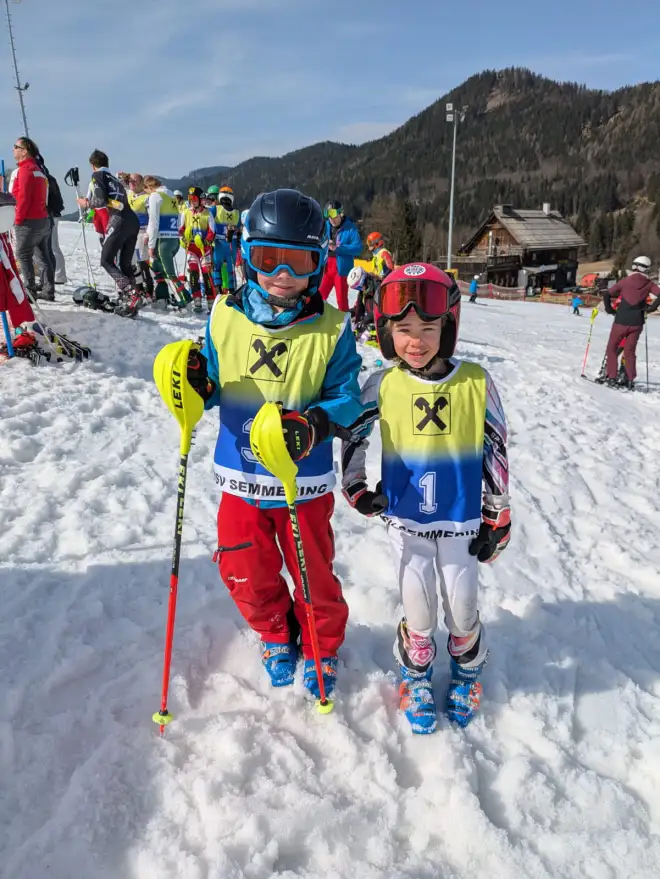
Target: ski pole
{"points": [[594, 315], [646, 344], [171, 377], [269, 448], [72, 178]]}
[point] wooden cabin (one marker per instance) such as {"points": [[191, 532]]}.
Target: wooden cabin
{"points": [[528, 249]]}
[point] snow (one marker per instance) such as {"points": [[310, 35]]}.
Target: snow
{"points": [[559, 776]]}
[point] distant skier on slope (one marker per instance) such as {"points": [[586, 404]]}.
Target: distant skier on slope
{"points": [[276, 340], [444, 436], [632, 303]]}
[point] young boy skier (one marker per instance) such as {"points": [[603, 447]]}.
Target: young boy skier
{"points": [[444, 436], [197, 231], [276, 340]]}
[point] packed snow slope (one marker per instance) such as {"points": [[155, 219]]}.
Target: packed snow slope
{"points": [[558, 777]]}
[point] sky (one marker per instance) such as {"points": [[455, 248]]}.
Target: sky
{"points": [[166, 86]]}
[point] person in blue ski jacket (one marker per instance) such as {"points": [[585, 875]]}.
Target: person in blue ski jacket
{"points": [[345, 246], [276, 340], [576, 303]]}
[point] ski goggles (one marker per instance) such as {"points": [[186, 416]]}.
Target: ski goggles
{"points": [[430, 299], [332, 213], [301, 262]]}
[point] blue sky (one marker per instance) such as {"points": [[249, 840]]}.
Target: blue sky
{"points": [[165, 86]]}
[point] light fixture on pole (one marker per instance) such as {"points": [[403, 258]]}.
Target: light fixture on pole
{"points": [[453, 116], [19, 88]]}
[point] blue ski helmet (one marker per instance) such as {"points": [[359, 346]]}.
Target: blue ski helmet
{"points": [[286, 217]]}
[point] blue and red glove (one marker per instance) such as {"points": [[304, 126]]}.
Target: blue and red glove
{"points": [[304, 430], [494, 532]]}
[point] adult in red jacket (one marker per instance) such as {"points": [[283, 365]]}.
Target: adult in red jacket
{"points": [[634, 303], [29, 186]]}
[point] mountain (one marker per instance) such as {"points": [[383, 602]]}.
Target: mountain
{"points": [[525, 140]]}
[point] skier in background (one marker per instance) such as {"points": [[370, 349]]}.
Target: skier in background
{"points": [[444, 440], [138, 199], [382, 258], [275, 339], [197, 231], [632, 297], [576, 302], [227, 223], [107, 192], [474, 288], [163, 234], [345, 245]]}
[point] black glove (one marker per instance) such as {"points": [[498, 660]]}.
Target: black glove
{"points": [[303, 431], [368, 503], [197, 375], [494, 533]]}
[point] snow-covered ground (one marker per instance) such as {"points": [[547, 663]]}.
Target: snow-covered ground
{"points": [[558, 777]]}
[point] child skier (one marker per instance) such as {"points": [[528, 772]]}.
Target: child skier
{"points": [[197, 231], [364, 285], [576, 302], [382, 258], [443, 434], [227, 220], [276, 340]]}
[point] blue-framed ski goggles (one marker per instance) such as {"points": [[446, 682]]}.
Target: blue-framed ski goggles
{"points": [[270, 258]]}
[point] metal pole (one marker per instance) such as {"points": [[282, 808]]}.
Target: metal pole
{"points": [[19, 88], [451, 195]]}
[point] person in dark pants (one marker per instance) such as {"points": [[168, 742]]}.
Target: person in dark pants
{"points": [[106, 191], [29, 186], [632, 299]]}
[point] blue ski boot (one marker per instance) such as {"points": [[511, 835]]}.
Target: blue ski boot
{"points": [[416, 700], [464, 694], [280, 662], [329, 669]]}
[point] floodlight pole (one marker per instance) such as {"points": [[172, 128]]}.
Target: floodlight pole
{"points": [[453, 116], [19, 88]]}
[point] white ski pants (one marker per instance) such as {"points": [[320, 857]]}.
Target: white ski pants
{"points": [[422, 565]]}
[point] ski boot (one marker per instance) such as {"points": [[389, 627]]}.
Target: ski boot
{"points": [[197, 305], [627, 384], [329, 670], [416, 700], [129, 304], [464, 693], [279, 660]]}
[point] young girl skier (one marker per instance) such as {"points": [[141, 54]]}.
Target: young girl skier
{"points": [[444, 437], [276, 340], [197, 231]]}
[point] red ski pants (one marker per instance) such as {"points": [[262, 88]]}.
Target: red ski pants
{"points": [[332, 279], [630, 337], [253, 576]]}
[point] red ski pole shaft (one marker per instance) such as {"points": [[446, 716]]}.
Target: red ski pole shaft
{"points": [[163, 717], [309, 607]]}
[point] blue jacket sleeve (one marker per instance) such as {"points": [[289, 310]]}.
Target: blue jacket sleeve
{"points": [[212, 367], [340, 394], [351, 245]]}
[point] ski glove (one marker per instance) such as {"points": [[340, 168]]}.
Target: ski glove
{"points": [[303, 431], [198, 376], [494, 533], [368, 503]]}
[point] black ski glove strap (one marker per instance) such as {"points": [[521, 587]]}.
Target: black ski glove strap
{"points": [[494, 533], [198, 376], [367, 503]]}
